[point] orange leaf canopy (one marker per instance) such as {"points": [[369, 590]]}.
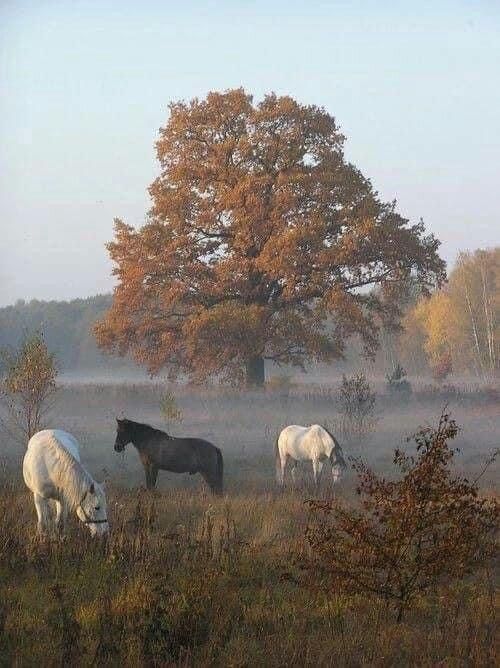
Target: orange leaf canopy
{"points": [[259, 242]]}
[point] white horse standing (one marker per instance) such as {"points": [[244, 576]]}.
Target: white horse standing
{"points": [[314, 444], [53, 472]]}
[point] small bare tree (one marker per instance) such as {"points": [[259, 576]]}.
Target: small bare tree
{"points": [[397, 385], [356, 405], [169, 408], [426, 528], [27, 388], [442, 367]]}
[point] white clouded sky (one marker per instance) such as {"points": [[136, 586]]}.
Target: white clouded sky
{"points": [[84, 87]]}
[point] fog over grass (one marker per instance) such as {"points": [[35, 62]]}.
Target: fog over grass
{"points": [[245, 425]]}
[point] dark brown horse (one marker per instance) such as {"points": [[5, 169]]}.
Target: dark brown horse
{"points": [[158, 450]]}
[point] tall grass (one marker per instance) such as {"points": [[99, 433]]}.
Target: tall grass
{"points": [[189, 580], [186, 580]]}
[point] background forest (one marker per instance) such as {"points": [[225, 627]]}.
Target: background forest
{"points": [[67, 329], [455, 331]]}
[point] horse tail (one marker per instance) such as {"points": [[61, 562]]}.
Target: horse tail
{"points": [[277, 458], [219, 473]]}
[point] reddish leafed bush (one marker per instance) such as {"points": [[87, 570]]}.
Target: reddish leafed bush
{"points": [[408, 535]]}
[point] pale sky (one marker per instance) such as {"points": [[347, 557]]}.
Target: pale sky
{"points": [[84, 87]]}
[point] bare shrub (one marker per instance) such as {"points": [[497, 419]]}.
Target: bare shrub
{"points": [[440, 393], [169, 408], [409, 535], [442, 367], [473, 395], [356, 404], [281, 383], [28, 387], [397, 385]]}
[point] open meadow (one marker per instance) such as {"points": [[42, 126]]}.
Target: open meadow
{"points": [[186, 578]]}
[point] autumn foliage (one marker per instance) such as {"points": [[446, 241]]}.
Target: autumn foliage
{"points": [[411, 534], [458, 327], [259, 241], [442, 367], [28, 387]]}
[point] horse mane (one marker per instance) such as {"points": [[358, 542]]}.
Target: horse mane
{"points": [[335, 442], [146, 428], [70, 476], [337, 447]]}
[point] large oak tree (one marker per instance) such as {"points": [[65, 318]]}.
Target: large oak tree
{"points": [[262, 243]]}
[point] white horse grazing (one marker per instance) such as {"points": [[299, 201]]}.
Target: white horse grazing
{"points": [[53, 472], [314, 444]]}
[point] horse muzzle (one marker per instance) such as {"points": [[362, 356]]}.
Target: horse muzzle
{"points": [[337, 472], [99, 530]]}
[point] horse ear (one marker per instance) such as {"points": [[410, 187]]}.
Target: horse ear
{"points": [[92, 489]]}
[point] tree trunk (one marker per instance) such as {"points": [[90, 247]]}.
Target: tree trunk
{"points": [[474, 329], [490, 330], [255, 372]]}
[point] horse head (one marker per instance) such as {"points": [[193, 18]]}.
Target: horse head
{"points": [[123, 434], [92, 510], [337, 461]]}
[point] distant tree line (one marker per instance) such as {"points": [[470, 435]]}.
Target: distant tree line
{"points": [[455, 330], [66, 327]]}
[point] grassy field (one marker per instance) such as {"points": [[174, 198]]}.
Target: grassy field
{"points": [[186, 579]]}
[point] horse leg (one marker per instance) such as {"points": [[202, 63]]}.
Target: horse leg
{"points": [[294, 473], [317, 466], [148, 470], [61, 515], [336, 472], [153, 475], [43, 514], [208, 478], [280, 471]]}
